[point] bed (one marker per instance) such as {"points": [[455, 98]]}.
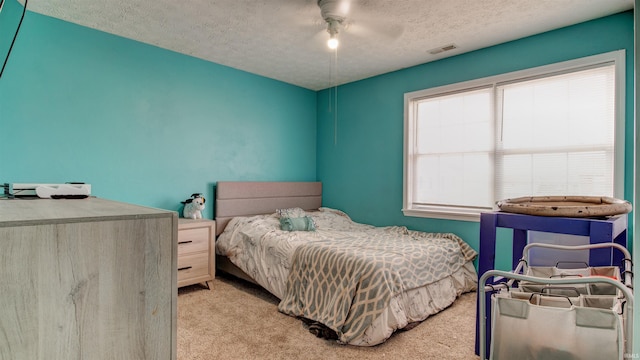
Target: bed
{"points": [[353, 282]]}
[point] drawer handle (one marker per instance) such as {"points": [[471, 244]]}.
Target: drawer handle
{"points": [[185, 242], [185, 268]]}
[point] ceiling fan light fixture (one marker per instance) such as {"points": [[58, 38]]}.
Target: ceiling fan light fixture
{"points": [[332, 29], [333, 43]]}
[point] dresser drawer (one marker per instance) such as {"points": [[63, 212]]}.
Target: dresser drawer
{"points": [[193, 240], [192, 266]]}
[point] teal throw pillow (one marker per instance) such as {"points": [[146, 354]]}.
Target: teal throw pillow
{"points": [[304, 223]]}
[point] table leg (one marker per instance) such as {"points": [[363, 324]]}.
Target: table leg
{"points": [[486, 262]]}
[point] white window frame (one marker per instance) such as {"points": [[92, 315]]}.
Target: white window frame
{"points": [[473, 214]]}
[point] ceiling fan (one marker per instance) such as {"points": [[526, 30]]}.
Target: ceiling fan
{"points": [[334, 12], [338, 16]]}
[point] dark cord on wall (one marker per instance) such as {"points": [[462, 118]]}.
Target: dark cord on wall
{"points": [[24, 10]]}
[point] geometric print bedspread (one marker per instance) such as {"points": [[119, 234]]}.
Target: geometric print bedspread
{"points": [[346, 282]]}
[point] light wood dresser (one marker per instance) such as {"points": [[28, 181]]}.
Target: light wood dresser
{"points": [[196, 260], [87, 279]]}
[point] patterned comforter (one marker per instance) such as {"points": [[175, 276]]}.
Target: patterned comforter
{"points": [[346, 282], [363, 282]]}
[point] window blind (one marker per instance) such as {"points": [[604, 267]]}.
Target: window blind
{"points": [[555, 135]]}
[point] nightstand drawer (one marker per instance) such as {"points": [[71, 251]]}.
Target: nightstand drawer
{"points": [[196, 242], [193, 240], [191, 266]]}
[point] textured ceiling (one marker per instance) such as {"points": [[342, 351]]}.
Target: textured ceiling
{"points": [[285, 39]]}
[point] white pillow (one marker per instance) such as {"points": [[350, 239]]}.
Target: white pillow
{"points": [[295, 212]]}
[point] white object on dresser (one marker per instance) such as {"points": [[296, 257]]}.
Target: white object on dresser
{"points": [[90, 279], [51, 191], [196, 260]]}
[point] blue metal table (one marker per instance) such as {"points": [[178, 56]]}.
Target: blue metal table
{"points": [[613, 229]]}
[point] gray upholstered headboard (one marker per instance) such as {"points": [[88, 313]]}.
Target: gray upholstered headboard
{"points": [[246, 198]]}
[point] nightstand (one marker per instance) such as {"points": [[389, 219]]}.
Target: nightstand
{"points": [[196, 260]]}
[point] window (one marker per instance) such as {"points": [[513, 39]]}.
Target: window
{"points": [[553, 130]]}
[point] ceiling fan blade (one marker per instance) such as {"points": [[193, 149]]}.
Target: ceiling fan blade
{"points": [[366, 29], [320, 37], [366, 21]]}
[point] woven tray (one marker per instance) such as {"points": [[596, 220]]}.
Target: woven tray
{"points": [[566, 206]]}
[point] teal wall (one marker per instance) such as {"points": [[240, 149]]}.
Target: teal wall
{"points": [[361, 168], [142, 124]]}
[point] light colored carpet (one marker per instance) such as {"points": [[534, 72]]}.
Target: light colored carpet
{"points": [[237, 320]]}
